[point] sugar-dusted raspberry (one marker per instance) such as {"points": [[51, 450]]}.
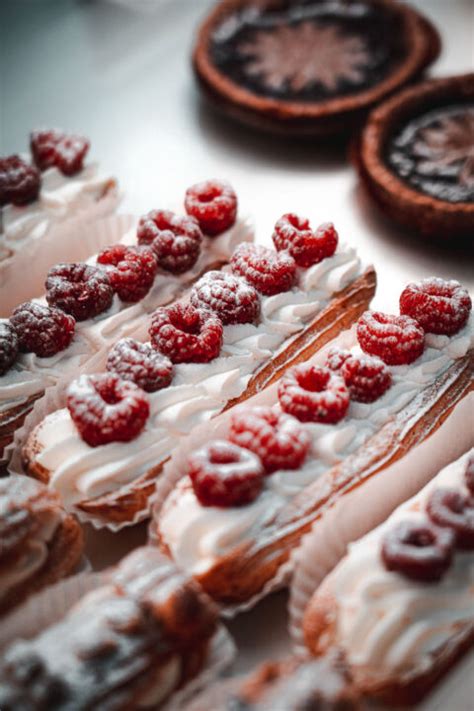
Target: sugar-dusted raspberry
{"points": [[19, 182], [397, 340], [469, 473], [8, 346], [455, 510], [313, 394], [439, 306], [106, 408], [186, 334], [306, 246], [79, 289], [420, 551], [225, 475], [53, 148], [140, 363], [367, 377], [268, 271], [42, 330], [230, 297], [132, 271], [214, 205], [278, 439], [176, 241]]}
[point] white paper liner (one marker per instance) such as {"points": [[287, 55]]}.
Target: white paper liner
{"points": [[216, 697]]}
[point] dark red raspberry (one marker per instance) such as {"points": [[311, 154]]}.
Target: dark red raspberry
{"points": [[106, 409], [214, 205], [278, 440], [313, 394], [225, 475], [140, 363], [8, 346], [19, 182], [132, 270], [455, 510], [53, 148], [397, 340], [42, 330], [307, 247], [176, 241], [186, 334], [439, 306], [366, 377], [420, 551], [230, 297], [79, 289], [469, 473], [268, 271]]}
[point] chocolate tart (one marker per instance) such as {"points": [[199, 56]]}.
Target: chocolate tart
{"points": [[416, 157], [309, 66]]}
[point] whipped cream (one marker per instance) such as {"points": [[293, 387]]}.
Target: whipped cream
{"points": [[198, 536]]}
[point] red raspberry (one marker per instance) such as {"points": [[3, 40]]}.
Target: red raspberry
{"points": [[140, 363], [186, 334], [366, 377], [42, 330], [132, 270], [225, 475], [453, 509], [214, 205], [305, 246], [313, 394], [106, 409], [439, 306], [268, 271], [8, 346], [419, 551], [397, 340], [19, 182], [79, 289], [176, 241], [57, 149], [469, 473], [230, 297], [278, 440]]}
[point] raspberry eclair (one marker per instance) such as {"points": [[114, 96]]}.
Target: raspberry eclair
{"points": [[239, 493], [89, 305], [237, 331]]}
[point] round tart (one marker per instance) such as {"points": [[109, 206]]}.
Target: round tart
{"points": [[310, 66], [416, 157]]}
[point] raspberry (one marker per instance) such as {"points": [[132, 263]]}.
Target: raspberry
{"points": [[469, 473], [79, 289], [268, 271], [439, 306], [19, 182], [313, 394], [176, 241], [186, 334], [54, 148], [278, 440], [106, 409], [366, 377], [140, 363], [225, 475], [214, 205], [452, 509], [305, 246], [397, 340], [232, 299], [42, 330], [132, 271], [419, 551], [8, 346]]}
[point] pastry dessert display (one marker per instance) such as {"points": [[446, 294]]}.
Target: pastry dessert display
{"points": [[39, 542], [40, 197], [415, 157], [310, 66], [130, 643], [399, 607], [239, 494], [238, 330], [90, 305]]}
